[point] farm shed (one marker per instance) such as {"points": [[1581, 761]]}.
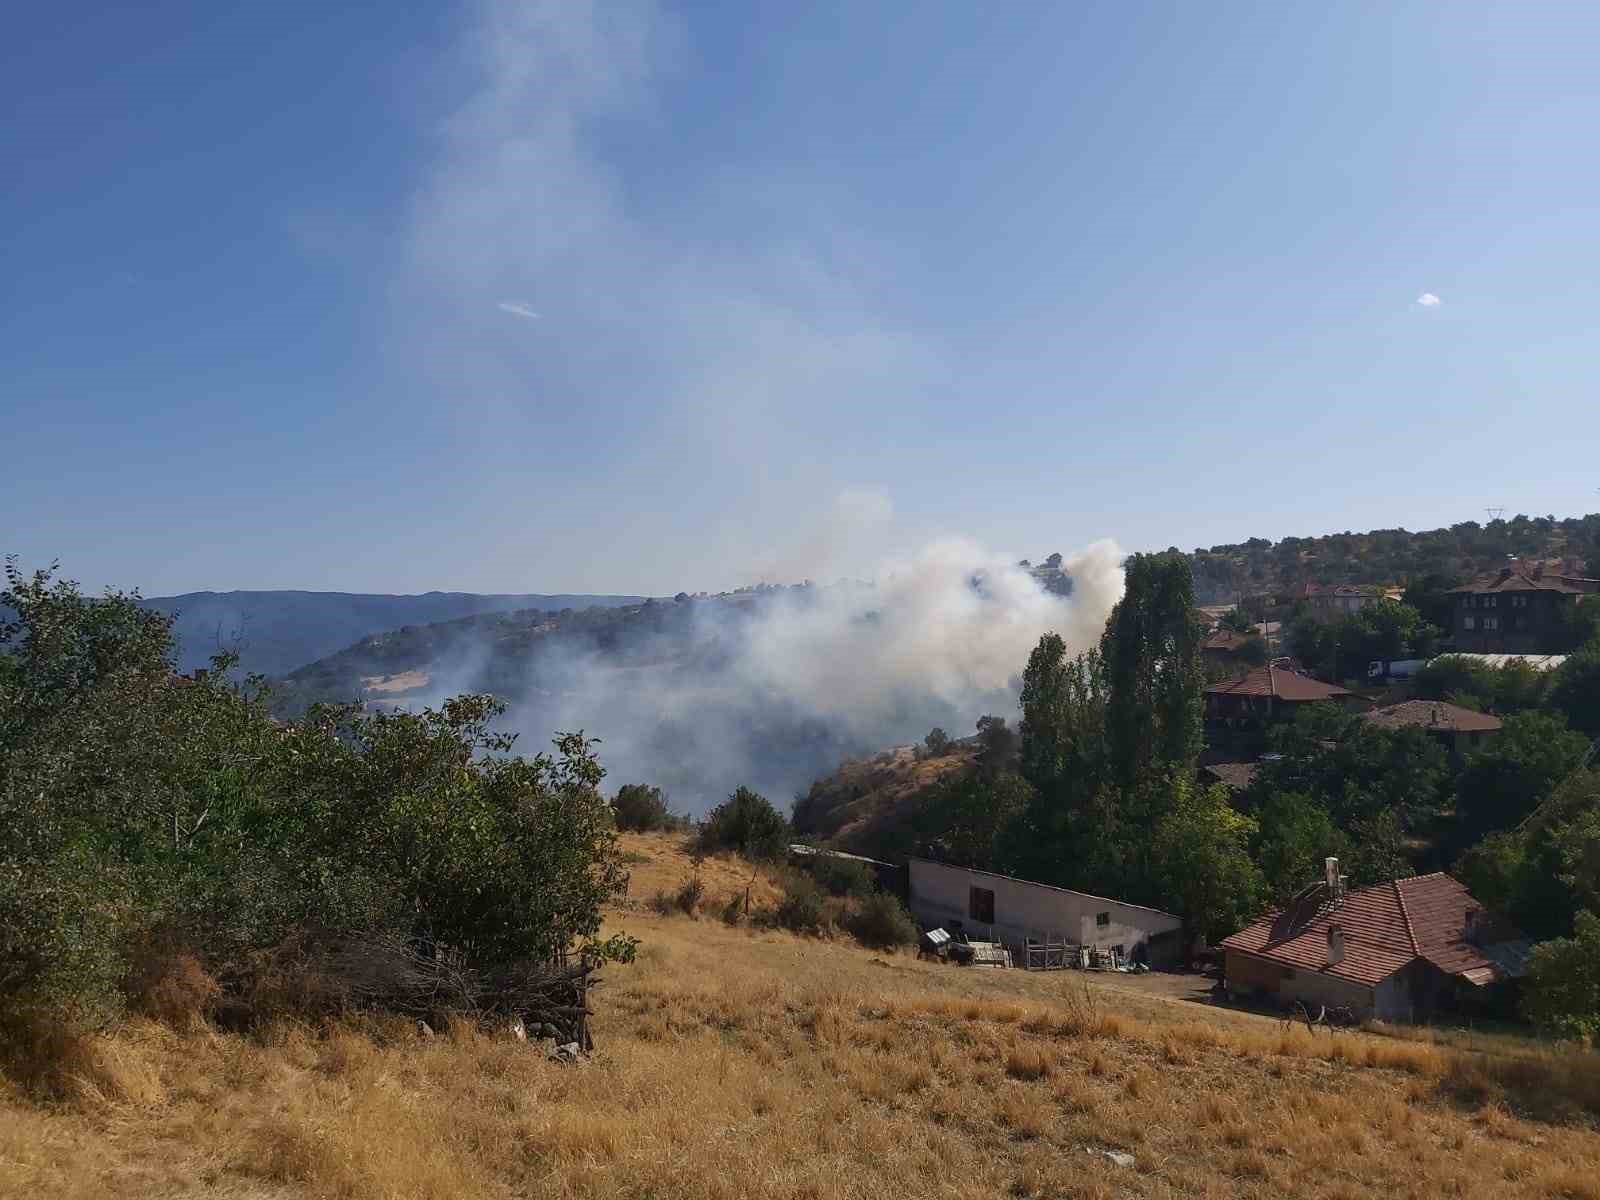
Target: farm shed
{"points": [[1015, 911], [1401, 951]]}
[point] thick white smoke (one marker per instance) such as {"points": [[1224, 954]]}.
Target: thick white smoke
{"points": [[772, 690]]}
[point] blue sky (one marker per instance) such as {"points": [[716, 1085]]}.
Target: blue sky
{"points": [[633, 297]]}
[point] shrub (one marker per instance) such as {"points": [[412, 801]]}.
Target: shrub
{"points": [[883, 923], [1562, 993], [936, 745], [643, 809], [690, 895], [801, 910], [747, 823], [140, 809], [842, 876], [733, 909]]}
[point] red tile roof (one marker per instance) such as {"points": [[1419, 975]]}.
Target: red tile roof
{"points": [[1277, 681], [1530, 579], [1433, 714], [1226, 641], [1386, 927]]}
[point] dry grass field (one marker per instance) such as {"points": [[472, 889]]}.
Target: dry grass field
{"points": [[734, 1063]]}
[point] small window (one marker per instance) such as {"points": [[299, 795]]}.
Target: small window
{"points": [[1492, 601], [980, 905], [1102, 920], [1469, 623], [1491, 622]]}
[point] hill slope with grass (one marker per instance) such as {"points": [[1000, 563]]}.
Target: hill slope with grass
{"points": [[871, 805], [734, 1063]]}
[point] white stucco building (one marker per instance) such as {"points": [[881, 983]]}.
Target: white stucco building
{"points": [[1015, 911]]}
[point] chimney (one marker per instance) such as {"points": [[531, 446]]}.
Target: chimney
{"points": [[1335, 944], [1474, 919], [1330, 876]]}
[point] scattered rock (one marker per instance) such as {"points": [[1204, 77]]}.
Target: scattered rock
{"points": [[567, 1053], [548, 1030], [1120, 1157], [517, 1029], [424, 1029]]}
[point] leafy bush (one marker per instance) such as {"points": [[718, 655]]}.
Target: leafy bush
{"points": [[745, 823], [690, 895], [801, 910], [1562, 993], [842, 876], [144, 810], [883, 923], [643, 809], [936, 744]]}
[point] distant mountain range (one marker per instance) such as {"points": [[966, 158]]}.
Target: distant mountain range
{"points": [[275, 632]]}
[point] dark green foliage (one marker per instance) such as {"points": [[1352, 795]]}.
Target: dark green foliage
{"points": [[1515, 687], [1514, 771], [1342, 648], [1430, 596], [1294, 835], [1237, 621], [1201, 855], [997, 744], [1576, 689], [1151, 656], [801, 910], [882, 923], [1354, 769], [745, 823], [842, 876], [964, 816], [1562, 992], [140, 809], [936, 744], [643, 809]]}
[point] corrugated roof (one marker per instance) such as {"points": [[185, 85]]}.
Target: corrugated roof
{"points": [[1279, 682], [1433, 714], [1386, 927]]}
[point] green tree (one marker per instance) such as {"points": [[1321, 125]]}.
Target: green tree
{"points": [[1508, 776], [1201, 861], [640, 807], [1151, 653], [937, 743], [1236, 620], [965, 815], [1431, 596], [1295, 834], [1562, 991], [746, 822], [1576, 689]]}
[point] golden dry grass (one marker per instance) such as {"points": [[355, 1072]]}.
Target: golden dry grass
{"points": [[738, 1064]]}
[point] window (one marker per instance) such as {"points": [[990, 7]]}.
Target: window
{"points": [[1102, 920], [1519, 602], [1469, 623], [1491, 601], [980, 905], [1471, 602], [1491, 622]]}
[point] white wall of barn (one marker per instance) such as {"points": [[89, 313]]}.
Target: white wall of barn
{"points": [[941, 894]]}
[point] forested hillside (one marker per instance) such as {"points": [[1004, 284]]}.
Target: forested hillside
{"points": [[1223, 573], [277, 631]]}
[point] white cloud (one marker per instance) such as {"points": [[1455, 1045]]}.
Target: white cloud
{"points": [[1429, 300], [518, 309]]}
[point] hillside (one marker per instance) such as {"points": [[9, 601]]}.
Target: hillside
{"points": [[870, 806], [279, 631], [1223, 573], [734, 1063]]}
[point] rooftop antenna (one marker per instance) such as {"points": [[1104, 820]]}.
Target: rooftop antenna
{"points": [[1496, 512]]}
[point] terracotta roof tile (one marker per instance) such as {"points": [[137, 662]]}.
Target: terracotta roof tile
{"points": [[1433, 714], [1281, 682], [1386, 927]]}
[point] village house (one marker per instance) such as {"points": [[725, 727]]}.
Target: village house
{"points": [[1459, 729], [1018, 912], [1400, 951], [1520, 609], [1329, 601], [1235, 776], [1228, 649], [1270, 693]]}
